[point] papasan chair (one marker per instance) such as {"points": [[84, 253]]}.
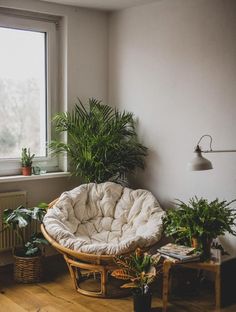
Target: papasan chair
{"points": [[93, 223]]}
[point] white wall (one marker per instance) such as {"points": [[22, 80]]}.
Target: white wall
{"points": [[173, 64]]}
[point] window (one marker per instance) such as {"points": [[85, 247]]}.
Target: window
{"points": [[22, 92], [28, 89]]}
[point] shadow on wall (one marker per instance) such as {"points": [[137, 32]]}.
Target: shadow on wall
{"points": [[148, 176], [228, 242]]}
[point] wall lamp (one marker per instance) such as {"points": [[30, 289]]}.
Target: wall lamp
{"points": [[201, 163]]}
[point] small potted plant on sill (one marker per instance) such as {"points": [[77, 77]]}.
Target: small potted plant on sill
{"points": [[26, 161], [140, 269], [199, 221], [28, 256]]}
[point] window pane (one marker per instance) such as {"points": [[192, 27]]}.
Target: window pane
{"points": [[22, 92]]}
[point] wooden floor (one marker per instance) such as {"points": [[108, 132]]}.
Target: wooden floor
{"points": [[57, 295]]}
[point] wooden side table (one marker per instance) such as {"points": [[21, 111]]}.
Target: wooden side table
{"points": [[206, 266]]}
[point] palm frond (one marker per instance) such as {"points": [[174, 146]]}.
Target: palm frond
{"points": [[102, 142]]}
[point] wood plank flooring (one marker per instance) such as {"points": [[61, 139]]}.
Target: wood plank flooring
{"points": [[56, 294]]}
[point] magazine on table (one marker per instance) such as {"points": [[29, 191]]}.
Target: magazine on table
{"points": [[177, 249], [193, 257], [180, 253]]}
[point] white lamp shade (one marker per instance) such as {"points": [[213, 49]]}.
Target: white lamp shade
{"points": [[199, 163]]}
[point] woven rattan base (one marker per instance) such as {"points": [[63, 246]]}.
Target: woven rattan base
{"points": [[28, 270]]}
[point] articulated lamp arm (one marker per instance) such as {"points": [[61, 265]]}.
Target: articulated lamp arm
{"points": [[200, 162]]}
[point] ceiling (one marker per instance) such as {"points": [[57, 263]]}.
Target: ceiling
{"points": [[103, 4]]}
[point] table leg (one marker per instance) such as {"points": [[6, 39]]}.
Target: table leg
{"points": [[165, 291], [218, 289], [104, 282]]}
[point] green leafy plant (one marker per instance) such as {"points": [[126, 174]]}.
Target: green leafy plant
{"points": [[139, 268], [18, 219], [102, 142], [32, 246], [199, 219], [26, 157]]}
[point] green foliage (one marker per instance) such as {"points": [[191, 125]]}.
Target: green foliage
{"points": [[26, 157], [32, 246], [19, 218], [199, 219], [139, 267], [102, 142]]}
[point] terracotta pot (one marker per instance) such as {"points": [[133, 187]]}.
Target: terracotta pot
{"points": [[195, 243], [26, 171]]}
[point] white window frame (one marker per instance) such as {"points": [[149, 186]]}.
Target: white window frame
{"points": [[31, 22]]}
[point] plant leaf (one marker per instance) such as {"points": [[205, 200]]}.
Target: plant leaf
{"points": [[129, 285]]}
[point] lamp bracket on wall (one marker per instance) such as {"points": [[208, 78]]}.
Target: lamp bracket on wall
{"points": [[211, 150], [201, 163]]}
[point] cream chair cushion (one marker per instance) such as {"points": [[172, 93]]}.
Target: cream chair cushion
{"points": [[104, 219]]}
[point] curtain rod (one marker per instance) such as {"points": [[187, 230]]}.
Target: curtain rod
{"points": [[31, 15]]}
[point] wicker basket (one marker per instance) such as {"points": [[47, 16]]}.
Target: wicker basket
{"points": [[28, 269]]}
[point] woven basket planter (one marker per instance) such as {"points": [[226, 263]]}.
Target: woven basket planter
{"points": [[28, 269]]}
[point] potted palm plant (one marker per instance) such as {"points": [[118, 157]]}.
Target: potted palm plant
{"points": [[26, 161], [200, 221], [102, 142], [140, 269], [28, 255]]}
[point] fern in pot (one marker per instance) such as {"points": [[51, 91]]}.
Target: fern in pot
{"points": [[28, 254], [200, 221], [102, 142]]}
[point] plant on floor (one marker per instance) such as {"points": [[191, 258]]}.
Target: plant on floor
{"points": [[28, 257], [140, 269], [18, 219], [200, 220], [26, 161], [102, 142]]}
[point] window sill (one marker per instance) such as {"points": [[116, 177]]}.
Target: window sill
{"points": [[49, 175]]}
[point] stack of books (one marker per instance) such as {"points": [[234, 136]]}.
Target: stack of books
{"points": [[179, 253]]}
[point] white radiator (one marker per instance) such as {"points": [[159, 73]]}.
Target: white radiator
{"points": [[12, 200]]}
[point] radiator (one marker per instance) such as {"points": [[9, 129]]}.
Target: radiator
{"points": [[12, 200]]}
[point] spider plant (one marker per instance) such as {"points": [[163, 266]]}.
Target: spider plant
{"points": [[102, 142]]}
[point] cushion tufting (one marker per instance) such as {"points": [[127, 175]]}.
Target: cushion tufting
{"points": [[104, 219]]}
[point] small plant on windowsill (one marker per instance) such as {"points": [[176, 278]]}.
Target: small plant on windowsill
{"points": [[26, 161], [141, 269], [28, 256]]}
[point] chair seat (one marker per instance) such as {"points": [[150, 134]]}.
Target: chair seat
{"points": [[105, 219]]}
